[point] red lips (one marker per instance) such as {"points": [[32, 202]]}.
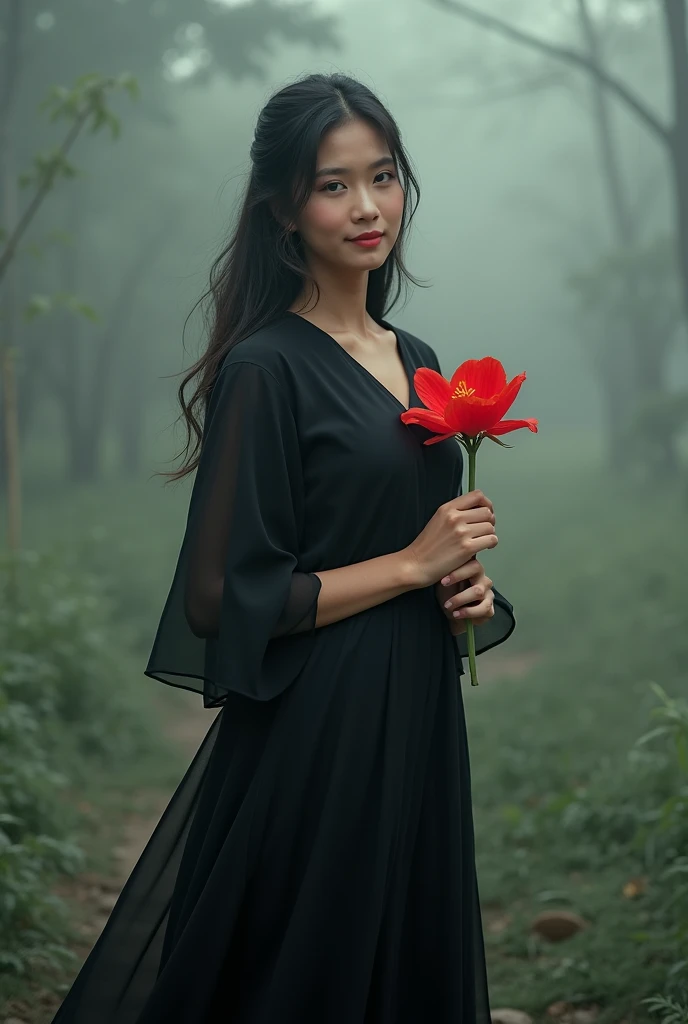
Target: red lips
{"points": [[367, 234]]}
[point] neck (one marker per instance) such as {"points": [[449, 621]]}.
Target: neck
{"points": [[341, 304]]}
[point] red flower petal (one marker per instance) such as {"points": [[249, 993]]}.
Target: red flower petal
{"points": [[440, 437], [485, 378], [506, 426], [506, 399], [469, 415], [473, 402], [425, 418], [432, 388]]}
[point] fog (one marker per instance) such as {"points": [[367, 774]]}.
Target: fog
{"points": [[550, 139]]}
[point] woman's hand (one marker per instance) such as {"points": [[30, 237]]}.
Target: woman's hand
{"points": [[458, 530], [454, 599]]}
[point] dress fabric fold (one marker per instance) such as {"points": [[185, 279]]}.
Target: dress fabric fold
{"points": [[236, 585], [317, 861]]}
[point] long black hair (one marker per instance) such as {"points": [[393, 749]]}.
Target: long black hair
{"points": [[262, 269]]}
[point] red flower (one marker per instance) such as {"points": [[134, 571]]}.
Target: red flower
{"points": [[472, 403]]}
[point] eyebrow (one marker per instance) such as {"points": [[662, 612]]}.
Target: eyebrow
{"points": [[347, 170]]}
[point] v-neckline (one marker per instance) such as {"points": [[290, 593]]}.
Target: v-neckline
{"points": [[364, 369]]}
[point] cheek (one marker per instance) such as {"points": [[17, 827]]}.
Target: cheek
{"points": [[394, 205], [323, 216]]}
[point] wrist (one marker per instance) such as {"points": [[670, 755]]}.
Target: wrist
{"points": [[410, 574]]}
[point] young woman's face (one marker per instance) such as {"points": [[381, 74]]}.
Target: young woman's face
{"points": [[356, 191]]}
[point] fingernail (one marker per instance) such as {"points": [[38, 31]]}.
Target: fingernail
{"points": [[458, 614], [447, 604], [446, 581]]}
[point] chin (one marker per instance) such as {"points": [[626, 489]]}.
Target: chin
{"points": [[371, 257]]}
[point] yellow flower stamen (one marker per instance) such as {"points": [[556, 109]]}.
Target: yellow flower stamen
{"points": [[462, 391]]}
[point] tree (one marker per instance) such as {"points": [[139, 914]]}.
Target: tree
{"points": [[82, 106], [672, 135], [628, 293], [629, 337], [179, 44], [649, 422]]}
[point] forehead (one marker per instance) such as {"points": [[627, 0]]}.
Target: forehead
{"points": [[356, 142]]}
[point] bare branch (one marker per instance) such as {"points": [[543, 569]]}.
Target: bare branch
{"points": [[526, 86], [565, 54]]}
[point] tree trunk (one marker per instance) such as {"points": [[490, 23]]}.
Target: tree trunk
{"points": [[647, 355], [677, 46], [610, 160], [614, 393], [79, 390], [617, 387], [130, 416], [10, 454], [130, 424], [66, 354]]}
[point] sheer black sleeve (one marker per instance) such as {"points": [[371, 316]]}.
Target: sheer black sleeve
{"points": [[240, 615]]}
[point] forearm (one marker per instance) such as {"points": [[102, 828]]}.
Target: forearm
{"points": [[353, 588]]}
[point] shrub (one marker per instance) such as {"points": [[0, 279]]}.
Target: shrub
{"points": [[69, 705]]}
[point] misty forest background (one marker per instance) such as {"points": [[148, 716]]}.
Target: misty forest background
{"points": [[551, 140]]}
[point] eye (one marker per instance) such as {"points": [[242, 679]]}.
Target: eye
{"points": [[326, 187], [391, 174]]}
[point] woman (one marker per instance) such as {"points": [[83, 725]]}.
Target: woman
{"points": [[316, 862]]}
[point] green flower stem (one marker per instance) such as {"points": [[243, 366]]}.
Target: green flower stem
{"points": [[472, 448]]}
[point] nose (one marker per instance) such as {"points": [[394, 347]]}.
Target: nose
{"points": [[366, 207]]}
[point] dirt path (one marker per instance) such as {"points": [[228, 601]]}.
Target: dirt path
{"points": [[92, 896], [186, 728]]}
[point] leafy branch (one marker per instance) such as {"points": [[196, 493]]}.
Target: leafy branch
{"points": [[84, 105]]}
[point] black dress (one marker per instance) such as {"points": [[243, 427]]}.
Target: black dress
{"points": [[316, 863]]}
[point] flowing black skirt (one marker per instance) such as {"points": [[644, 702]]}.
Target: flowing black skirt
{"points": [[316, 863]]}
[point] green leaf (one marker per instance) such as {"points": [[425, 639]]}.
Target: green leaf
{"points": [[130, 84], [497, 441], [38, 305]]}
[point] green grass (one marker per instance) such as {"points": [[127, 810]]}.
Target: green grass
{"points": [[95, 809], [558, 808], [563, 806]]}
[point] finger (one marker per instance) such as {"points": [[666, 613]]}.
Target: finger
{"points": [[471, 500], [483, 543], [483, 609], [480, 514], [480, 529], [480, 499], [478, 580], [464, 597], [462, 572]]}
